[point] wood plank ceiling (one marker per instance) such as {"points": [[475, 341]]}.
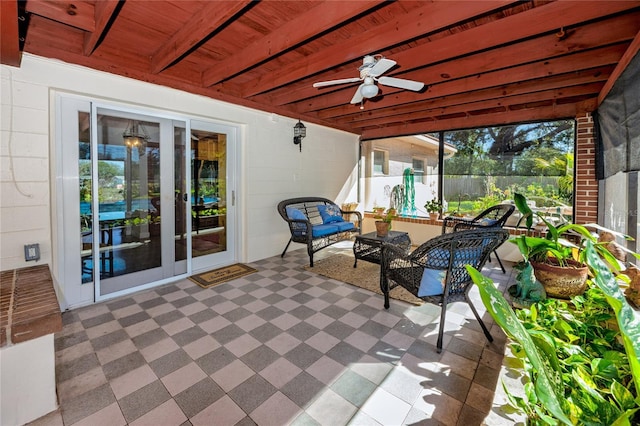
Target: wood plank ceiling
{"points": [[483, 63]]}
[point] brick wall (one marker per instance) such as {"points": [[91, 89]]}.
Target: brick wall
{"points": [[586, 185]]}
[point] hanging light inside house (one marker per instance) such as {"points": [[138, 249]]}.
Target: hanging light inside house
{"points": [[134, 135], [299, 132], [368, 89]]}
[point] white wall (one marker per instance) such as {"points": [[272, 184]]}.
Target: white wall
{"points": [[272, 168], [28, 370], [401, 151]]}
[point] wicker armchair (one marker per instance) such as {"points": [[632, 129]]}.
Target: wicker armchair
{"points": [[442, 261], [495, 216]]}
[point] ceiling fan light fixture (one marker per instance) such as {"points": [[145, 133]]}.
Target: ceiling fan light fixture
{"points": [[369, 90]]}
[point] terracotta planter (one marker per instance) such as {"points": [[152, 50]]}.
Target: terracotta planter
{"points": [[382, 228], [562, 282], [433, 216]]}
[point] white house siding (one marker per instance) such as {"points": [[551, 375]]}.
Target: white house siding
{"points": [[271, 166], [401, 154]]}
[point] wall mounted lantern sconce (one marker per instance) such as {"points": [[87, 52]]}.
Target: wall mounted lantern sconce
{"points": [[134, 135], [299, 132]]}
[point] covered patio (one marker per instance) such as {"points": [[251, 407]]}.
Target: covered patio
{"points": [[285, 345], [281, 346]]}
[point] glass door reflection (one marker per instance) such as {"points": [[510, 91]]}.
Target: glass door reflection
{"points": [[208, 193]]}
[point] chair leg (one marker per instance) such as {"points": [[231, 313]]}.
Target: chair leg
{"points": [[384, 286], [443, 314], [285, 249], [484, 327], [500, 262]]}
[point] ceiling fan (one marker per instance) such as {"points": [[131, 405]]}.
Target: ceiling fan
{"points": [[370, 72]]}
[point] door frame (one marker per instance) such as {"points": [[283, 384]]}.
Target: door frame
{"points": [[65, 180]]}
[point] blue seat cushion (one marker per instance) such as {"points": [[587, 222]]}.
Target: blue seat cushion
{"points": [[330, 214], [432, 282], [344, 226], [439, 257], [325, 229], [487, 222], [295, 214]]}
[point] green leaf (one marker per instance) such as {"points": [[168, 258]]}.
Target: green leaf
{"points": [[546, 344], [582, 377], [530, 392], [504, 316], [604, 368], [514, 400], [625, 418], [533, 312], [628, 320], [545, 418], [521, 204], [622, 396]]}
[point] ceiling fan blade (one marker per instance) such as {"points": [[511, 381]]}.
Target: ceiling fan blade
{"points": [[340, 81], [383, 65], [357, 97], [401, 83]]}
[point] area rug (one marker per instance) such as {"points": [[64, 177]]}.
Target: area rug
{"points": [[222, 275], [366, 275]]}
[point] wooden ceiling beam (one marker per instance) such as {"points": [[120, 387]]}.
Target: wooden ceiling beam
{"points": [[547, 46], [461, 45], [163, 79], [300, 28], [531, 71], [104, 11], [507, 102], [558, 82], [79, 14], [431, 17], [9, 33], [542, 113], [207, 21]]}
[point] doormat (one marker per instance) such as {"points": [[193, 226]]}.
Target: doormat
{"points": [[222, 275]]}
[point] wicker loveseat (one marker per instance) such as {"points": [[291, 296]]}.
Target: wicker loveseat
{"points": [[317, 222]]}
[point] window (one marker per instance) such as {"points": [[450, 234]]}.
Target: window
{"points": [[491, 164], [380, 162], [418, 170]]}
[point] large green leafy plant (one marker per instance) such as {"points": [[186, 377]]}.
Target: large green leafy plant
{"points": [[581, 358], [559, 244]]}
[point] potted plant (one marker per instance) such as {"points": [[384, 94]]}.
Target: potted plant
{"points": [[557, 257], [378, 210], [433, 208], [383, 222]]}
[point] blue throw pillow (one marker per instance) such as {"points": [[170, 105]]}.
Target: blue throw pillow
{"points": [[295, 214], [487, 222], [330, 214], [432, 282]]}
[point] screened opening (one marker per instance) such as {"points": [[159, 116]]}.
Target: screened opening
{"points": [[493, 163], [480, 168]]}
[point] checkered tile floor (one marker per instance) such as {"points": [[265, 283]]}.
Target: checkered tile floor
{"points": [[280, 346]]}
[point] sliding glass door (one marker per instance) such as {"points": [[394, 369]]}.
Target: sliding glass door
{"points": [[141, 198], [131, 218], [212, 194]]}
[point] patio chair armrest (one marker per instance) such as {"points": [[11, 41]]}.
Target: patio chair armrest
{"points": [[393, 257], [451, 222], [466, 225]]}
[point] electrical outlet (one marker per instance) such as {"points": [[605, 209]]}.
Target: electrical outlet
{"points": [[31, 252]]}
